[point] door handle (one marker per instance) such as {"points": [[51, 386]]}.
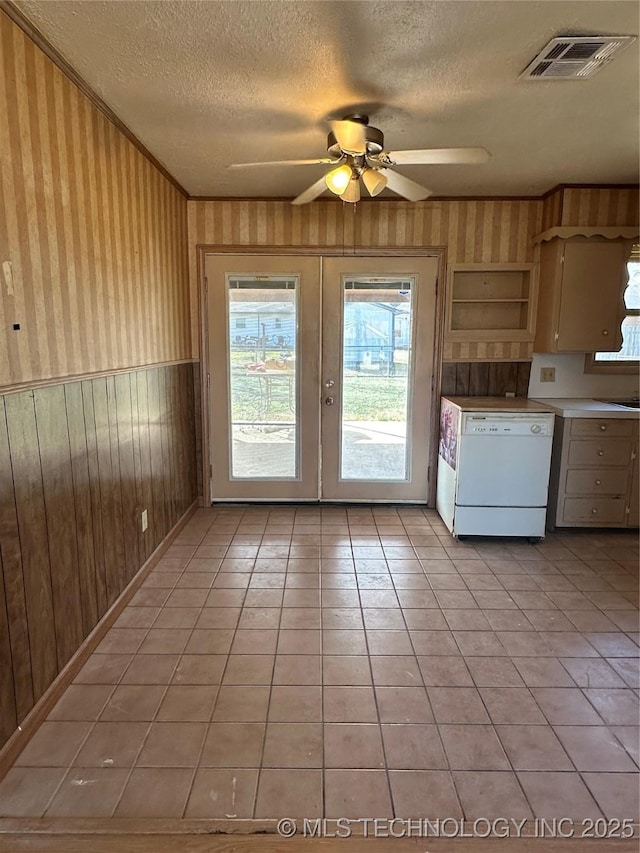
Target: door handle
{"points": [[329, 383], [329, 401]]}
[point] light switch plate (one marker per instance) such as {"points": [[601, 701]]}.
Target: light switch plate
{"points": [[145, 520]]}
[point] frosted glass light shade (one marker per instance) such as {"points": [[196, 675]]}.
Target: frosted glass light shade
{"points": [[374, 181], [337, 180], [352, 192]]}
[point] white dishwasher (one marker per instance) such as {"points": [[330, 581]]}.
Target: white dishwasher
{"points": [[493, 466]]}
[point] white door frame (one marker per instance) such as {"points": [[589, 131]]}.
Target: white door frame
{"points": [[324, 251]]}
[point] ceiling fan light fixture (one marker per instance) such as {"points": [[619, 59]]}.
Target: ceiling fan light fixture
{"points": [[337, 180], [357, 150], [352, 192], [374, 181]]}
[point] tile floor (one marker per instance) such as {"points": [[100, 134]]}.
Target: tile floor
{"points": [[354, 662]]}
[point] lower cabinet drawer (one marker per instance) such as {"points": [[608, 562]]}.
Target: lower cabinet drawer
{"points": [[597, 481], [610, 451], [607, 426], [593, 510]]}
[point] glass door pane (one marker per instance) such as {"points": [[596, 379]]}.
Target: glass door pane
{"points": [[377, 322], [262, 321], [263, 338], [377, 372]]}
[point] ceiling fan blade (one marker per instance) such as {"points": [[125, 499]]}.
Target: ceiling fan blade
{"points": [[405, 187], [350, 136], [311, 192], [427, 156], [322, 161]]}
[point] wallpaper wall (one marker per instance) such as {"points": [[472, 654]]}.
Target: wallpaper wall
{"points": [[590, 206], [93, 279], [490, 231], [552, 209], [599, 206], [93, 238]]}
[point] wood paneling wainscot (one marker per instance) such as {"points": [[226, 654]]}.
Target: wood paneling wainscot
{"points": [[485, 378], [93, 238], [79, 461]]}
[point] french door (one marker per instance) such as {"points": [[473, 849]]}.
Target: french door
{"points": [[320, 377]]}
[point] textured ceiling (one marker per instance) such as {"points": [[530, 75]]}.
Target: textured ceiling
{"points": [[206, 84]]}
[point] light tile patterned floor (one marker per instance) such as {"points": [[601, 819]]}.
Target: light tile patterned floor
{"points": [[297, 662]]}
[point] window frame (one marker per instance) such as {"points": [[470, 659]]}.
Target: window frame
{"points": [[613, 366]]}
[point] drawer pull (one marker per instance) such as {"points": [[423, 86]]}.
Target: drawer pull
{"points": [[605, 332], [603, 427], [598, 482], [594, 511], [601, 453]]}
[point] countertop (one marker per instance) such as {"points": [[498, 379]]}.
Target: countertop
{"points": [[586, 408], [500, 404]]}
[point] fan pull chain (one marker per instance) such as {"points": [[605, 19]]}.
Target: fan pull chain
{"points": [[354, 228]]}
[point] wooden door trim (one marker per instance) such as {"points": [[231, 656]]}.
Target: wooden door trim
{"points": [[204, 249]]}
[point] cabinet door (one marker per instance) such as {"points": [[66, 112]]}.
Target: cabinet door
{"points": [[591, 297]]}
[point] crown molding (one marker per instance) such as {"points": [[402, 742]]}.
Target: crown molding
{"points": [[559, 187]]}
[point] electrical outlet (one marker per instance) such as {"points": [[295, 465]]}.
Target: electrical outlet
{"points": [[547, 374], [145, 520]]}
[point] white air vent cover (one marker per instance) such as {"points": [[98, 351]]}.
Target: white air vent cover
{"points": [[574, 57]]}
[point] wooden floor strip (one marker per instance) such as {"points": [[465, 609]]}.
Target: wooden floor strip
{"points": [[162, 843]]}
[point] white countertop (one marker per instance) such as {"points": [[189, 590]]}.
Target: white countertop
{"points": [[586, 408], [499, 404]]}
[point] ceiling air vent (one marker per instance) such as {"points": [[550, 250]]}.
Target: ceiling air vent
{"points": [[574, 57]]}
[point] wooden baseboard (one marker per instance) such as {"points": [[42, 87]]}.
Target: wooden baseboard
{"points": [[25, 731]]}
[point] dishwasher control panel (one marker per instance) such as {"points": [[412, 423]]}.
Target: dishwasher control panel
{"points": [[526, 426]]}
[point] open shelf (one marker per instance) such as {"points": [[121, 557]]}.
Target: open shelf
{"points": [[491, 301]]}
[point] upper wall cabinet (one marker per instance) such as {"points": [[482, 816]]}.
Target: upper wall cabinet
{"points": [[581, 284], [491, 302]]}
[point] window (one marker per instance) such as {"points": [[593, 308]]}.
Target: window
{"points": [[628, 358], [241, 324]]}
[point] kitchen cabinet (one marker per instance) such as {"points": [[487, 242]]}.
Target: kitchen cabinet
{"points": [[580, 305], [491, 302], [594, 473]]}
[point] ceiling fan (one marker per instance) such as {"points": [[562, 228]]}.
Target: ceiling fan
{"points": [[356, 152]]}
